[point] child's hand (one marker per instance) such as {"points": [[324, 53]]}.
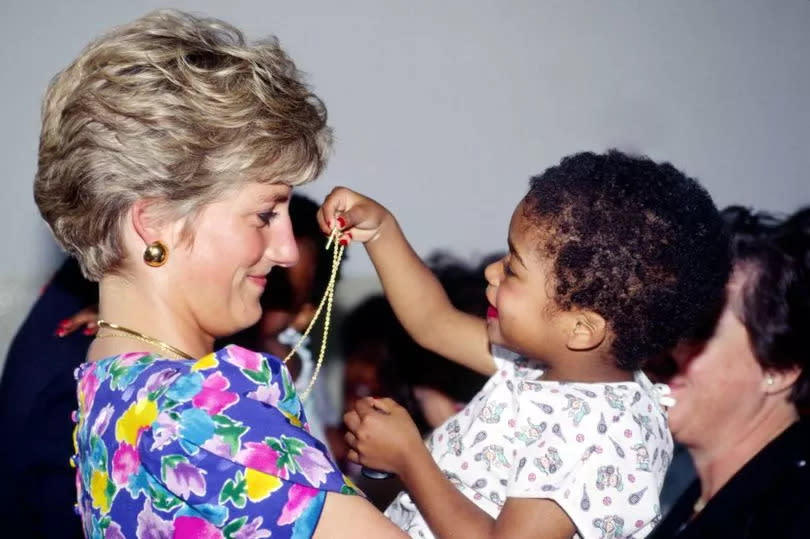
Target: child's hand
{"points": [[381, 435], [357, 217]]}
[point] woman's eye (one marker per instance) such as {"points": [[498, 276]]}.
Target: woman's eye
{"points": [[266, 216]]}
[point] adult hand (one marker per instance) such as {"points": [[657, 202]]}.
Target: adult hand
{"points": [[86, 318]]}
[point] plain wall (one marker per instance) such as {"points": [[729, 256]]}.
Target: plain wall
{"points": [[443, 110]]}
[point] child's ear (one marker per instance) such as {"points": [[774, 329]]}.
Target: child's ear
{"points": [[587, 331]]}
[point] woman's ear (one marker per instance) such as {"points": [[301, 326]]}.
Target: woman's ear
{"points": [[147, 221], [587, 331], [778, 381]]}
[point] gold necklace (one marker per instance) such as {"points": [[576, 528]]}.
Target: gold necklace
{"points": [[121, 331], [326, 300]]}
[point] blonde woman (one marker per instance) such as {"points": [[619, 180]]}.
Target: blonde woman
{"points": [[168, 152]]}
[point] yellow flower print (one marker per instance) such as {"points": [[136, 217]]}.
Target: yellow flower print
{"points": [[138, 416], [294, 421], [260, 485], [99, 491], [206, 362]]}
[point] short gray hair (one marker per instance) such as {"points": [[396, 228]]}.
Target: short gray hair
{"points": [[171, 107]]}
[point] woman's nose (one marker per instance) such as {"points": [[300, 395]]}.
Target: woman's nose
{"points": [[492, 273], [282, 248]]}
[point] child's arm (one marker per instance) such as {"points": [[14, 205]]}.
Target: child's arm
{"points": [[384, 437], [417, 297]]}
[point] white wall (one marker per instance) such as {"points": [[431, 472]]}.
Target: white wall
{"points": [[443, 109]]}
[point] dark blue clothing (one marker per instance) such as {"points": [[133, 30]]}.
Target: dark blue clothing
{"points": [[37, 396]]}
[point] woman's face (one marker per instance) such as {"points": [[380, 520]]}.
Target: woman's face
{"points": [[718, 387], [219, 277]]}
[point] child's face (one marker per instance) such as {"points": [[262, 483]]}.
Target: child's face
{"points": [[521, 290]]}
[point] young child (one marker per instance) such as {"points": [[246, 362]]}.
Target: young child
{"points": [[612, 259]]}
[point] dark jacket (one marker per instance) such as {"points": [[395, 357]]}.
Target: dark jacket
{"points": [[768, 498], [37, 396]]}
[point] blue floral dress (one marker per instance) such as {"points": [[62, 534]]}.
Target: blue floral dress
{"points": [[208, 448]]}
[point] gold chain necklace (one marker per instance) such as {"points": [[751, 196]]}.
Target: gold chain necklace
{"points": [[121, 331], [326, 300]]}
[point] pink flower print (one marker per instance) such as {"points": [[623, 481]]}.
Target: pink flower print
{"points": [[125, 462], [184, 479], [164, 430], [298, 498], [88, 386], [267, 393], [244, 359], [150, 525], [212, 397], [262, 457], [102, 420], [314, 465], [196, 527]]}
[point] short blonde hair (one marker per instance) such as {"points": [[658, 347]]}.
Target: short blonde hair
{"points": [[170, 107]]}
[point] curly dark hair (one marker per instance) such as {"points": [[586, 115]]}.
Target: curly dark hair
{"points": [[636, 241], [773, 257]]}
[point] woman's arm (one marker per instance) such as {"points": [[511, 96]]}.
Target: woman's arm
{"points": [[415, 294], [350, 517]]}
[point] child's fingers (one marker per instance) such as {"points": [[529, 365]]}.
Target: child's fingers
{"points": [[364, 407], [352, 420], [385, 405]]}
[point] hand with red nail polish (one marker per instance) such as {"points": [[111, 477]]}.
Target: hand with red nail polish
{"points": [[359, 218], [86, 319]]}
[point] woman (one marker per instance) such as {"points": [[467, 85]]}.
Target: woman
{"points": [[737, 397], [167, 156]]}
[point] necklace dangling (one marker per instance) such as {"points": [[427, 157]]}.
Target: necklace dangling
{"points": [[326, 301]]}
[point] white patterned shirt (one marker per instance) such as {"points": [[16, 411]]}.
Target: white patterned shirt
{"points": [[599, 450]]}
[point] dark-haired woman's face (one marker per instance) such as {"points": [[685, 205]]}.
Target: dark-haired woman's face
{"points": [[719, 386]]}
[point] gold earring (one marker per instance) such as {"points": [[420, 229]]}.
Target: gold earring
{"points": [[156, 254]]}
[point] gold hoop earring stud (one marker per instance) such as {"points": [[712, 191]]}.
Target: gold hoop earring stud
{"points": [[156, 254]]}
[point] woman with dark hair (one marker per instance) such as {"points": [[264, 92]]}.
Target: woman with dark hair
{"points": [[738, 396]]}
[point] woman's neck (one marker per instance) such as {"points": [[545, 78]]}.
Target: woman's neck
{"points": [[146, 311], [718, 462]]}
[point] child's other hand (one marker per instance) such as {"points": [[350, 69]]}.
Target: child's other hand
{"points": [[357, 217], [381, 435]]}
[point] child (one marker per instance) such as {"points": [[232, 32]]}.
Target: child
{"points": [[612, 259]]}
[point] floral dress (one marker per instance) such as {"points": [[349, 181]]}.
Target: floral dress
{"points": [[208, 448]]}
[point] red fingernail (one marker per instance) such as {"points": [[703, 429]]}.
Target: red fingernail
{"points": [[63, 323], [61, 332], [341, 222], [344, 243], [89, 331]]}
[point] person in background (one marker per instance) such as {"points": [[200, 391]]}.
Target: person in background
{"points": [[738, 396], [37, 397]]}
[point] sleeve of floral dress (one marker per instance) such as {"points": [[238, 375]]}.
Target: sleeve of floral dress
{"points": [[230, 442]]}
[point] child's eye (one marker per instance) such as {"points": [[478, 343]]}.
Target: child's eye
{"points": [[266, 216]]}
